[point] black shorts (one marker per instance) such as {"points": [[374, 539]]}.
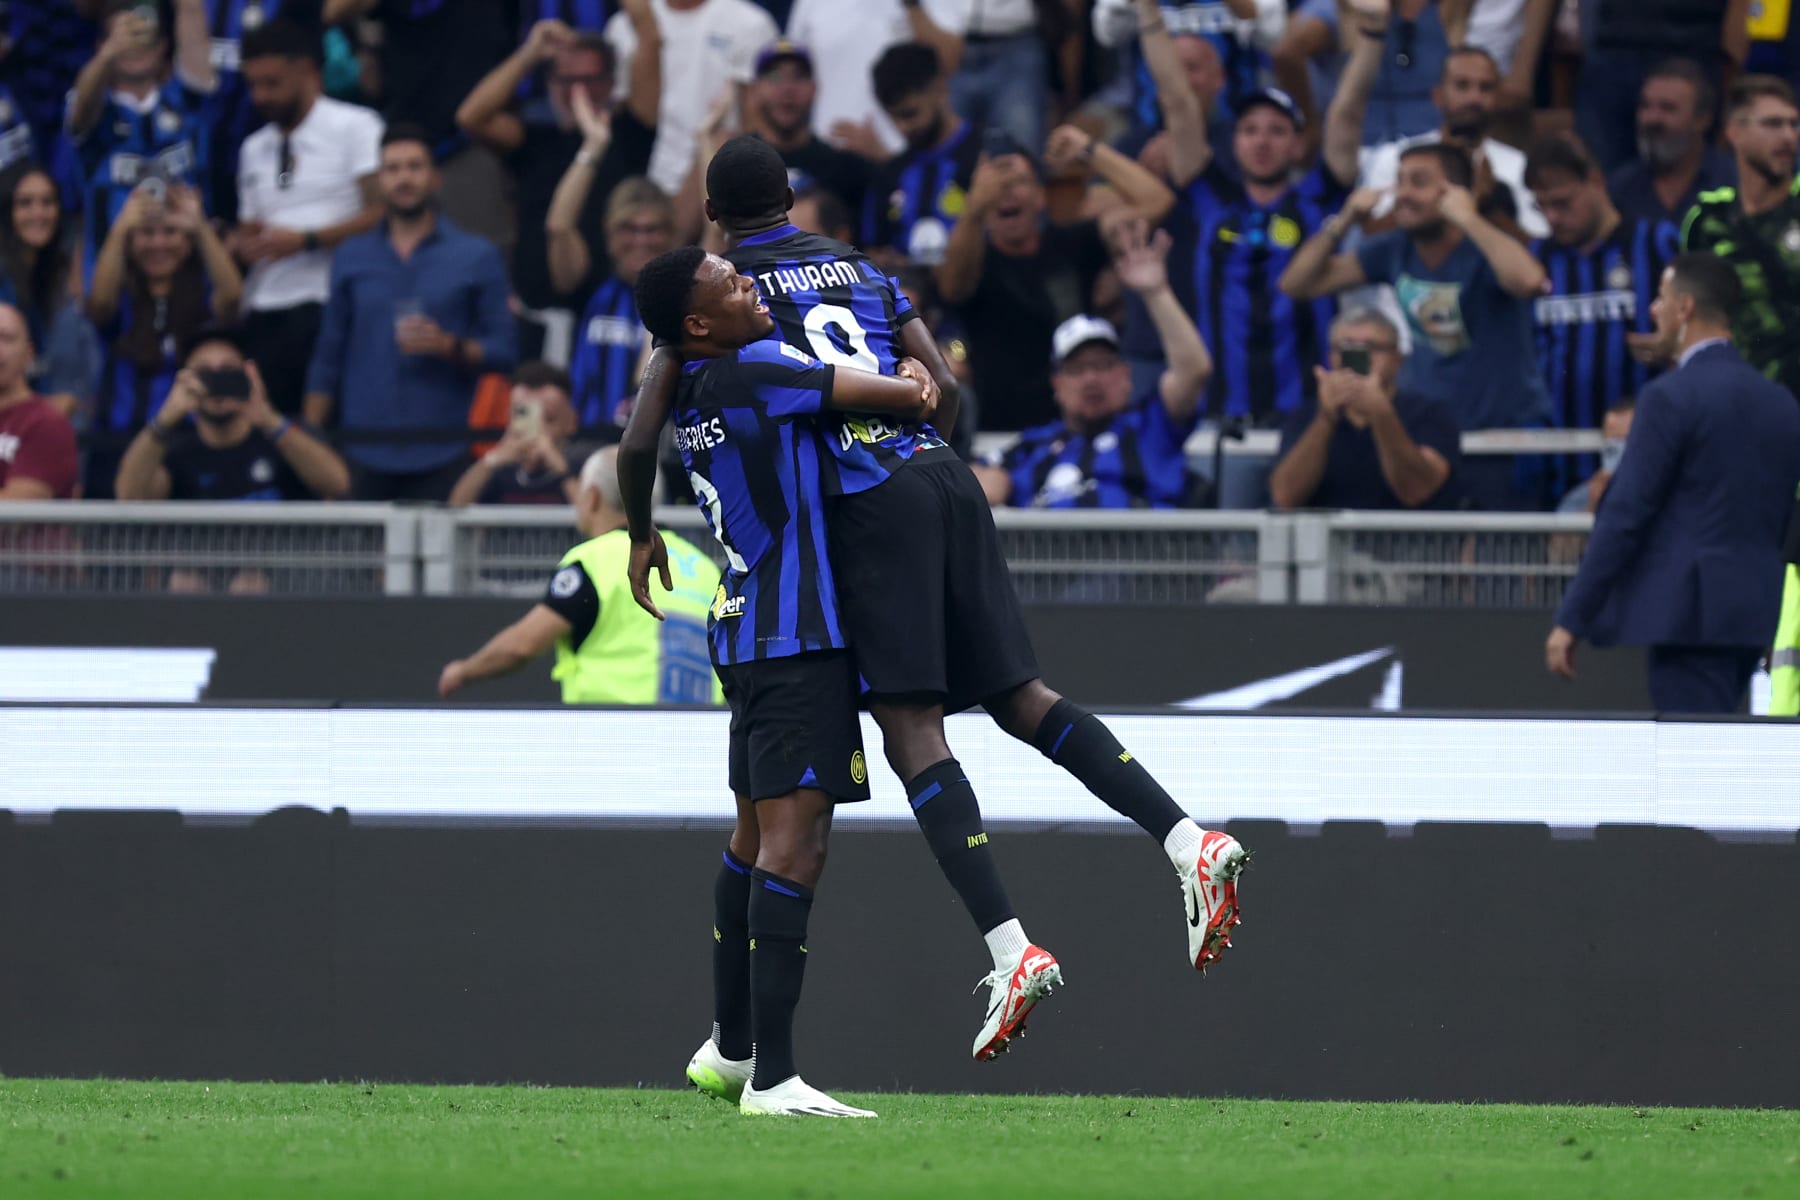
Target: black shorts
{"points": [[794, 725], [924, 592]]}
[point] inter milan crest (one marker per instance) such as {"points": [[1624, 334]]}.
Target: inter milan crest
{"points": [[1619, 278], [167, 120]]}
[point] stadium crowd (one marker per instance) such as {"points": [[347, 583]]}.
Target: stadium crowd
{"points": [[277, 249]]}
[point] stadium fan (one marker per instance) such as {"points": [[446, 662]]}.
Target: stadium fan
{"points": [[530, 465], [574, 141], [607, 652], [417, 314], [1465, 287], [1686, 556], [218, 437], [1595, 336], [134, 120], [162, 275], [34, 278], [1109, 448], [305, 185], [744, 413], [778, 108], [916, 197], [1013, 276], [1240, 32], [37, 444], [1363, 442], [1675, 160], [640, 224], [1625, 40], [846, 41]]}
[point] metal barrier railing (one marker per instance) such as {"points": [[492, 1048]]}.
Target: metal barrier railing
{"points": [[1090, 556]]}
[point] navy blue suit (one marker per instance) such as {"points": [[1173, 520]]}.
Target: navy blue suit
{"points": [[1686, 554]]}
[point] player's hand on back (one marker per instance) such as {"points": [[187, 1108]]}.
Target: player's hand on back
{"points": [[913, 369], [645, 555]]}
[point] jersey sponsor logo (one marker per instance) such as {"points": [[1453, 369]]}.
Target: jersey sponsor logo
{"points": [[566, 583], [859, 768], [1585, 309], [799, 356], [725, 606], [808, 277], [1201, 19], [128, 170], [613, 331], [226, 54], [707, 435], [868, 430]]}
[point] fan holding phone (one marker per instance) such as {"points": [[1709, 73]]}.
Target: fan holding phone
{"points": [[1364, 443]]}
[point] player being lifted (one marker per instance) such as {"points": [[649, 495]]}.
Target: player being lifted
{"points": [[744, 413], [929, 607]]}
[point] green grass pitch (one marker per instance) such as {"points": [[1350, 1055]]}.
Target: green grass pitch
{"points": [[196, 1140]]}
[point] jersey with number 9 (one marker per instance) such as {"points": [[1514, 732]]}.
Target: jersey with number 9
{"points": [[833, 303]]}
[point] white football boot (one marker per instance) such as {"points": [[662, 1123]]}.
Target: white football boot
{"points": [[794, 1097], [1209, 893], [717, 1076], [1012, 993]]}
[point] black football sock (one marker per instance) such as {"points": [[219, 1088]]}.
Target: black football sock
{"points": [[778, 912], [1078, 742], [944, 804], [731, 958]]}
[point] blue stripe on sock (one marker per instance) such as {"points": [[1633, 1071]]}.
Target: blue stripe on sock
{"points": [[734, 864], [1060, 739], [776, 887], [925, 794]]}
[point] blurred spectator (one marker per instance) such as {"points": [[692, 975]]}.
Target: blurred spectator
{"points": [[1595, 339], [1241, 33], [1675, 161], [578, 16], [575, 138], [1615, 428], [1013, 276], [1514, 33], [1686, 556], [60, 38], [1000, 80], [1464, 286], [1235, 235], [846, 40], [1624, 40], [714, 42], [1756, 225], [1309, 58], [919, 285], [162, 275], [219, 438], [1363, 442], [1149, 143], [306, 184], [38, 460], [233, 116], [1467, 94], [34, 277], [1109, 449], [778, 109], [531, 463], [915, 198], [131, 120], [640, 224], [818, 211], [417, 313], [1415, 37]]}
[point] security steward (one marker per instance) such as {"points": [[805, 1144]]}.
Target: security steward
{"points": [[608, 650]]}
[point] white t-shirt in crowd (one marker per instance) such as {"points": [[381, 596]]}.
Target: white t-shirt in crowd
{"points": [[1496, 26], [845, 41], [332, 148], [705, 50], [989, 18], [1381, 167]]}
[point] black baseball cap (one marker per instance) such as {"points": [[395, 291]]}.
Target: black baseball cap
{"points": [[782, 50], [1273, 98]]}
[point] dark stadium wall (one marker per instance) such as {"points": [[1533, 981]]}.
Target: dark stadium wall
{"points": [[1479, 963], [377, 649]]}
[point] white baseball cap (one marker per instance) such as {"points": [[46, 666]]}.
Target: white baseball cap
{"points": [[1077, 332]]}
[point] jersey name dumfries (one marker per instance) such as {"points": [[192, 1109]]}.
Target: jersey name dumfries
{"points": [[704, 436], [808, 277], [865, 429]]}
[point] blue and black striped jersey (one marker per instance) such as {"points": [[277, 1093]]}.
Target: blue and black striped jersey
{"points": [[1228, 258], [607, 346], [1246, 67], [831, 302], [745, 427], [234, 119], [914, 200], [1595, 299], [168, 140], [1138, 460]]}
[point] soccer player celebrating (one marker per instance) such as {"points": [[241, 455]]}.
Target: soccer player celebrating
{"points": [[934, 622], [744, 411]]}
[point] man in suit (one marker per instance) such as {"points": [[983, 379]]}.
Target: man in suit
{"points": [[1686, 555]]}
